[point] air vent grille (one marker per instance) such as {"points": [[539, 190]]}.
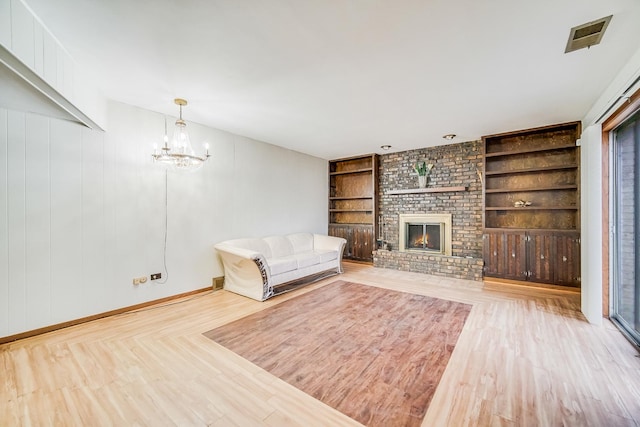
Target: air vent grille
{"points": [[587, 35]]}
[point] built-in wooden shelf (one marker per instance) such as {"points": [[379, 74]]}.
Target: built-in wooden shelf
{"points": [[541, 242], [531, 208], [516, 229], [530, 170], [345, 172], [350, 198], [526, 190], [353, 205], [529, 150], [350, 210], [428, 190]]}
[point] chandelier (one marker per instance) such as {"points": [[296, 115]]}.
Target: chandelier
{"points": [[179, 155]]}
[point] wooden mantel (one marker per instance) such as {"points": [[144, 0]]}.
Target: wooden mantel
{"points": [[428, 190]]}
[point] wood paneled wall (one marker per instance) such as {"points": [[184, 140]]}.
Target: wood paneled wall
{"points": [[22, 34]]}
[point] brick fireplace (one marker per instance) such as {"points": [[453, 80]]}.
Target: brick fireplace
{"points": [[455, 166]]}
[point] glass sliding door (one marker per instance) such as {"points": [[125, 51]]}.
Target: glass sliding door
{"points": [[626, 192]]}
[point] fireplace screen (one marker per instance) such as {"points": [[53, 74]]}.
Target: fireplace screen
{"points": [[423, 236]]}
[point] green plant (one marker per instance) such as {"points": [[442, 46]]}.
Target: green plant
{"points": [[423, 169]]}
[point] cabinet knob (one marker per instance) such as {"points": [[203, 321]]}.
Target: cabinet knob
{"points": [[513, 254], [541, 256], [495, 253], [564, 259]]}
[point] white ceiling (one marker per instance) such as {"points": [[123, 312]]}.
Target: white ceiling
{"points": [[334, 78]]}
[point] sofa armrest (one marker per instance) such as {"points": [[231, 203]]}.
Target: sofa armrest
{"points": [[328, 243], [239, 252], [246, 271]]}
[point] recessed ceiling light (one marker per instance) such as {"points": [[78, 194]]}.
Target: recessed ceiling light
{"points": [[385, 147], [449, 136]]}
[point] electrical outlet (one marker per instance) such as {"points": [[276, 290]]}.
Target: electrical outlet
{"points": [[138, 280], [156, 276]]}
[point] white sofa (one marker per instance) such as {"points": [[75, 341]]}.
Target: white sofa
{"points": [[262, 268]]}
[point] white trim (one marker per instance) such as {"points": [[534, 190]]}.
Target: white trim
{"points": [[610, 99]]}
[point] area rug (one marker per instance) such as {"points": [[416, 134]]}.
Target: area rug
{"points": [[373, 354]]}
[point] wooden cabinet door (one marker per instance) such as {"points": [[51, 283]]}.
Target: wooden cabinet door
{"points": [[537, 256], [363, 243], [541, 256], [515, 255], [493, 253], [360, 241], [505, 254], [342, 231], [567, 259]]}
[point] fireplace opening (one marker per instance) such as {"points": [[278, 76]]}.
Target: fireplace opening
{"points": [[425, 232], [423, 236]]}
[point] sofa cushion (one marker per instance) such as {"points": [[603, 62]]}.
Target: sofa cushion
{"points": [[308, 258], [301, 242], [282, 265], [280, 246]]}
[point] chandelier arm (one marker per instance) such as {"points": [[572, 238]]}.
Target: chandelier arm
{"points": [[166, 137]]}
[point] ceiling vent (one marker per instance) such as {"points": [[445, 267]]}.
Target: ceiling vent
{"points": [[587, 35]]}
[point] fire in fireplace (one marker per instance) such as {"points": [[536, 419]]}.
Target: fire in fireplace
{"points": [[423, 236]]}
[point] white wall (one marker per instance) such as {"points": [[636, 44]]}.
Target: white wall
{"points": [[82, 212], [591, 195], [591, 222]]}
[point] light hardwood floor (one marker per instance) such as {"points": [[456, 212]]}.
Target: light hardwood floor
{"points": [[526, 357]]}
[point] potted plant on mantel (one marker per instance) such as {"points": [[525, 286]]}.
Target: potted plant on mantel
{"points": [[423, 169]]}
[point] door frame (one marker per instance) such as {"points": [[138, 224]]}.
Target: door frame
{"points": [[618, 116]]}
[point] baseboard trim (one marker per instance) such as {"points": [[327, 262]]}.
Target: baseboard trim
{"points": [[496, 281], [51, 328]]}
